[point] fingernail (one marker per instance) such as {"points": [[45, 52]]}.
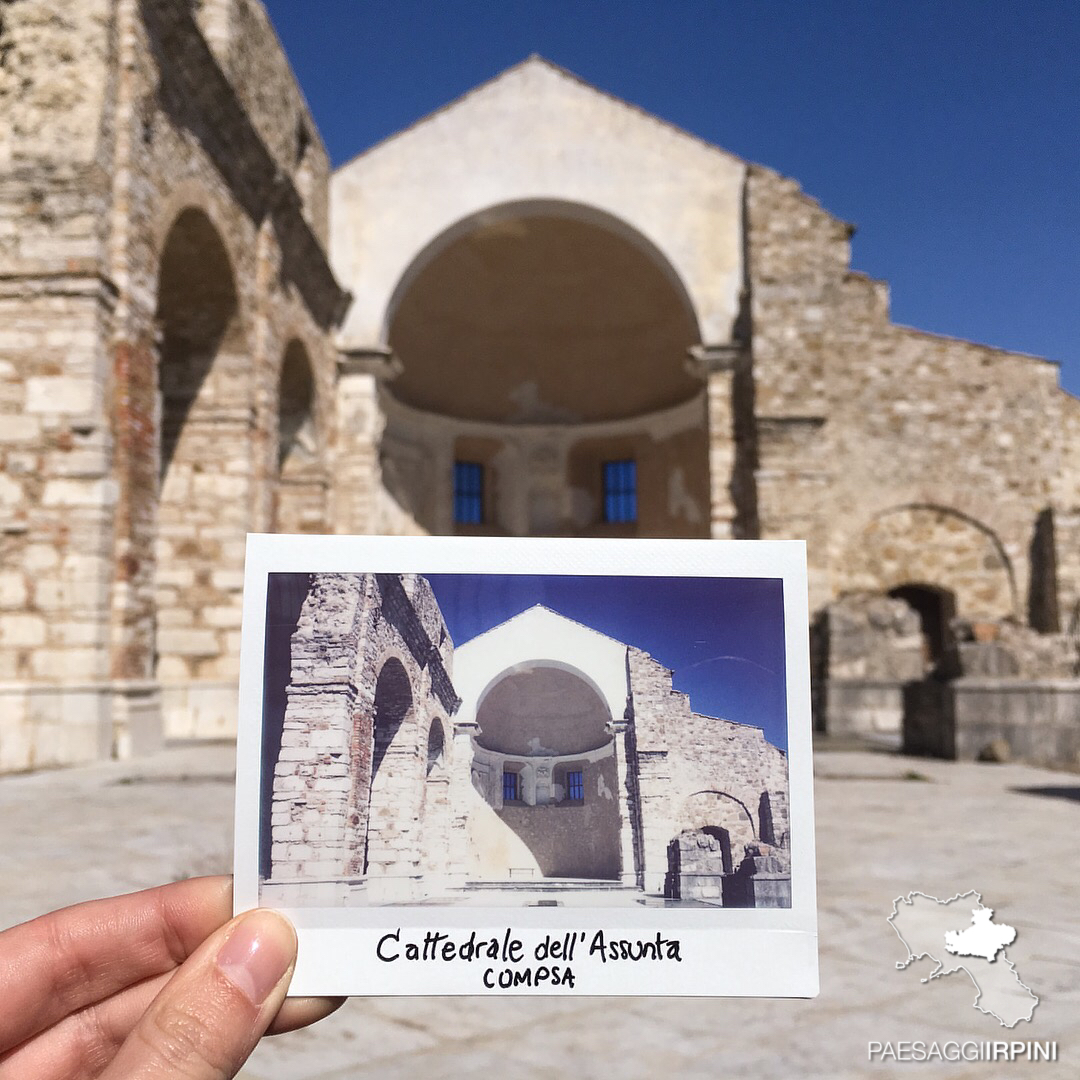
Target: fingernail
{"points": [[257, 954]]}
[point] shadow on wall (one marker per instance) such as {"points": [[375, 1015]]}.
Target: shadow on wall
{"points": [[285, 596], [570, 839]]}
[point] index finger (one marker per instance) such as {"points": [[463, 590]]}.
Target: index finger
{"points": [[80, 955]]}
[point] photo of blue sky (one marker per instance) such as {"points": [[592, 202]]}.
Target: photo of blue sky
{"points": [[722, 637]]}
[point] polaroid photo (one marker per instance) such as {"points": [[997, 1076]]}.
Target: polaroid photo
{"points": [[529, 766]]}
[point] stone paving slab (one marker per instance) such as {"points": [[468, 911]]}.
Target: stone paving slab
{"points": [[886, 825]]}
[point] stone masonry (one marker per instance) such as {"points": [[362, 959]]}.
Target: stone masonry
{"points": [[163, 218], [370, 802], [368, 692], [189, 352]]}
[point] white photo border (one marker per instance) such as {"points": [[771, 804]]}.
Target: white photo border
{"points": [[769, 952]]}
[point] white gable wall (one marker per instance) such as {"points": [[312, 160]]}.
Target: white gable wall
{"points": [[536, 135], [540, 637]]}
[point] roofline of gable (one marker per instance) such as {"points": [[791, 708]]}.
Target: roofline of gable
{"points": [[536, 58], [550, 611]]}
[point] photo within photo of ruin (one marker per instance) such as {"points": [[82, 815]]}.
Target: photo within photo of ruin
{"points": [[510, 740]]}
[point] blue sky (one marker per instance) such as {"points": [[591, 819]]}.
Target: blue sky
{"points": [[947, 130], [724, 637]]}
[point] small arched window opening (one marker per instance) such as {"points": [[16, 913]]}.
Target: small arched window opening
{"points": [[298, 448], [436, 747]]}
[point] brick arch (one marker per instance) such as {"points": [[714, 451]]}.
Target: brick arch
{"points": [[931, 544], [368, 666], [191, 194]]}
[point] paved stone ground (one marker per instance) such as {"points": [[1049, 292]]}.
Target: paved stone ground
{"points": [[886, 825]]}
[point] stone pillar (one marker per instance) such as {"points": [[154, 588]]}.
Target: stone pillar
{"points": [[435, 832], [462, 797], [717, 366], [309, 815], [512, 511], [315, 827], [654, 784], [628, 809], [359, 428]]}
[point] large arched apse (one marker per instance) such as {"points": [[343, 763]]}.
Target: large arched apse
{"points": [[546, 747], [537, 345], [205, 482]]}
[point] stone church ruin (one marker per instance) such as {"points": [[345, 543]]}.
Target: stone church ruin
{"points": [[541, 758], [205, 332]]}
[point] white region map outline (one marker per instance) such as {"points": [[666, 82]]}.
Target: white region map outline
{"points": [[950, 948]]}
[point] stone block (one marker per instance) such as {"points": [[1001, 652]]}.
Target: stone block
{"points": [[73, 664], [22, 631], [11, 492], [62, 394], [182, 641], [74, 493], [19, 429], [227, 580], [224, 616], [13, 590]]}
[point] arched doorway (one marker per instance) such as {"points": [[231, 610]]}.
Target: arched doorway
{"points": [[936, 608], [539, 345], [546, 747], [203, 510]]}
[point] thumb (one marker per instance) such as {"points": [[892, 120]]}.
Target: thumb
{"points": [[208, 1017]]}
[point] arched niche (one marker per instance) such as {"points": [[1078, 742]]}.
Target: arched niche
{"points": [[203, 510], [301, 491], [537, 341], [436, 748], [546, 312], [545, 740], [720, 810], [542, 709]]}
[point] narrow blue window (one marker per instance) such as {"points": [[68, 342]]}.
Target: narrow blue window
{"points": [[620, 491], [575, 786], [468, 493], [510, 787]]}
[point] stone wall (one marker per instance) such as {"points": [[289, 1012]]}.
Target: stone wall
{"points": [[168, 379], [698, 771], [902, 457], [352, 797], [366, 800], [133, 160]]}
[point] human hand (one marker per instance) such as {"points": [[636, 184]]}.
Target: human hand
{"points": [[154, 985]]}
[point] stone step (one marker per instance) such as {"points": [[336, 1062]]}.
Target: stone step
{"points": [[552, 885]]}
